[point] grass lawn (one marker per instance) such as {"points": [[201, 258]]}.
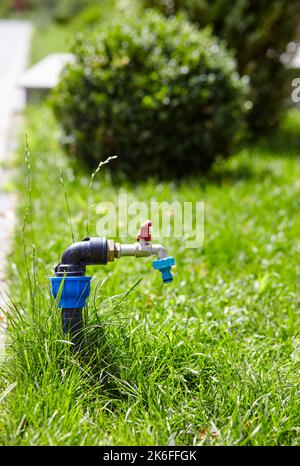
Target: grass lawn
{"points": [[50, 38], [213, 358]]}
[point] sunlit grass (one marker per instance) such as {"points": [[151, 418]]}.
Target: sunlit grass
{"points": [[212, 358]]}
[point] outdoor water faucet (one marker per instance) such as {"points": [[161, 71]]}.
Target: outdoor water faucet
{"points": [[70, 285], [144, 248]]}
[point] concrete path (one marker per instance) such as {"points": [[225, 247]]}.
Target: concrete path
{"points": [[14, 49]]}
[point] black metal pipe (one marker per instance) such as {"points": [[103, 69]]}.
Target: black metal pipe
{"points": [[72, 325], [73, 263], [89, 251]]}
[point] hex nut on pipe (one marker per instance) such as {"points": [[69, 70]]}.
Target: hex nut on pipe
{"points": [[110, 250]]}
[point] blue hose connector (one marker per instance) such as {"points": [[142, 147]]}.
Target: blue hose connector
{"points": [[164, 266], [74, 292]]}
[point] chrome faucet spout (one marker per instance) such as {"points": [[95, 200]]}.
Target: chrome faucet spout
{"points": [[138, 249]]}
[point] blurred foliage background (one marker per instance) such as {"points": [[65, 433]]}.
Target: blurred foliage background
{"points": [[154, 92], [258, 32]]}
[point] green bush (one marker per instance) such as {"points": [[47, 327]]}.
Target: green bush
{"points": [[163, 96], [258, 31]]}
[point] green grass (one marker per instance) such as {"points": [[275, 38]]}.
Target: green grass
{"points": [[50, 38], [211, 359]]}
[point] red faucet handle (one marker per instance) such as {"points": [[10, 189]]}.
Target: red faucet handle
{"points": [[144, 232]]}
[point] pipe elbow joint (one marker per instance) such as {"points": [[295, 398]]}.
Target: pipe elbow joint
{"points": [[74, 254], [89, 251]]}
